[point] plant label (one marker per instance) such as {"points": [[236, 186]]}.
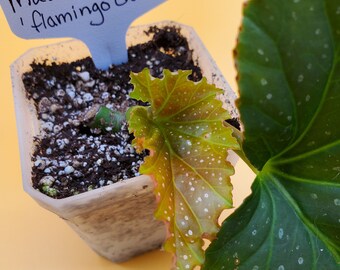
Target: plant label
{"points": [[102, 25]]}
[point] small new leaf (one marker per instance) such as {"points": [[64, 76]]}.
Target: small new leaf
{"points": [[184, 132]]}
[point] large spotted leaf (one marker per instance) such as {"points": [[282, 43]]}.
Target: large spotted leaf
{"points": [[183, 129], [288, 60]]}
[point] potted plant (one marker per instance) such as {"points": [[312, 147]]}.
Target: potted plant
{"points": [[287, 60], [111, 218]]}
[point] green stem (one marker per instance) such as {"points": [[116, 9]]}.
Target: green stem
{"points": [[106, 119], [239, 137]]}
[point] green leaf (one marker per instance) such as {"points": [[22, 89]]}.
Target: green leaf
{"points": [[103, 118], [183, 129], [288, 60]]}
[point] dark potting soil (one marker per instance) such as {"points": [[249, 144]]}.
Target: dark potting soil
{"points": [[69, 158]]}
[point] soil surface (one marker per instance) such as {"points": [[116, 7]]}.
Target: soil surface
{"points": [[69, 158]]}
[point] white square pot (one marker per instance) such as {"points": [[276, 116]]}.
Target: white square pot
{"points": [[117, 220]]}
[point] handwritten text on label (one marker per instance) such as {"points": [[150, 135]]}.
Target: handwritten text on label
{"points": [[102, 25]]}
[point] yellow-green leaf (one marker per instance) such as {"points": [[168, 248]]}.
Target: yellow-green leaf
{"points": [[184, 132]]}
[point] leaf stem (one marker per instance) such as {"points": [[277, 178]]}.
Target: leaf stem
{"points": [[239, 137], [103, 118]]}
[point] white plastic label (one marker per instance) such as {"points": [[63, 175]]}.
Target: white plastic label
{"points": [[102, 25]]}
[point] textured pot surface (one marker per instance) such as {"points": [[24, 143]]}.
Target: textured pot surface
{"points": [[117, 220]]}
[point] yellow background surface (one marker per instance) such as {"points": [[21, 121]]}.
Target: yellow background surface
{"points": [[33, 238]]}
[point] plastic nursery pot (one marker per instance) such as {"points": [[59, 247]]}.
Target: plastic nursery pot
{"points": [[117, 220]]}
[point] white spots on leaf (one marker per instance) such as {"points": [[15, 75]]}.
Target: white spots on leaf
{"points": [[314, 196], [294, 16], [336, 169], [296, 1], [328, 133], [260, 52], [187, 266], [190, 232], [289, 118], [307, 98], [186, 218], [255, 267], [311, 143], [206, 210], [237, 260], [337, 202], [254, 232], [300, 78], [185, 257], [309, 66], [269, 96], [312, 8], [281, 267], [300, 260], [338, 10], [317, 31], [281, 233], [264, 82], [206, 195]]}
